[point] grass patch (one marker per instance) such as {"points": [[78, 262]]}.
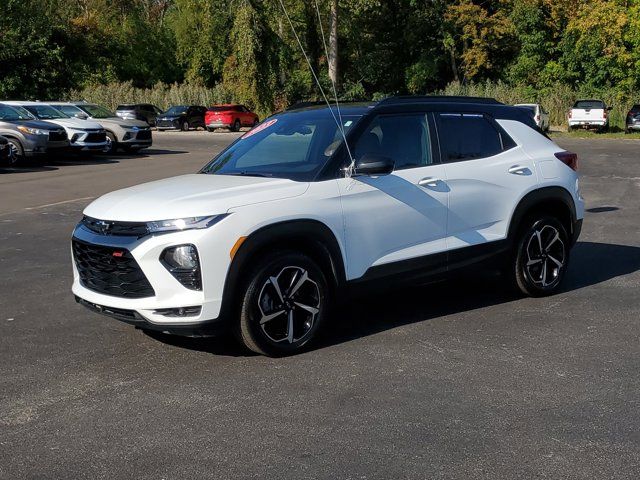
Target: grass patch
{"points": [[614, 133]]}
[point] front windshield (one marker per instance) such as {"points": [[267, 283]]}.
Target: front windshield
{"points": [[177, 110], [293, 145], [45, 112], [96, 111], [12, 114]]}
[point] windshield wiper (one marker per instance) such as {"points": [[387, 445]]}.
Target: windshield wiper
{"points": [[244, 173]]}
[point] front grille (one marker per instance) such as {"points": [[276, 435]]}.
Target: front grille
{"points": [[108, 227], [57, 135], [144, 135], [110, 270], [96, 137]]}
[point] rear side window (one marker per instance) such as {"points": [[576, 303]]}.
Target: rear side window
{"points": [[468, 136], [403, 138]]}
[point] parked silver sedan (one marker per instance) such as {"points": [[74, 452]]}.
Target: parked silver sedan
{"points": [[128, 135]]}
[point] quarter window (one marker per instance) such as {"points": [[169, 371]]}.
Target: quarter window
{"points": [[403, 138], [468, 136]]}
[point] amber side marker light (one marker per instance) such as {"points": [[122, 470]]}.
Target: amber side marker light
{"points": [[236, 247]]}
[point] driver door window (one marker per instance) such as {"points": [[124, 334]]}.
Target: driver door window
{"points": [[403, 138]]}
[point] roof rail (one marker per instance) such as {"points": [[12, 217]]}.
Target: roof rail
{"points": [[332, 102], [402, 99]]}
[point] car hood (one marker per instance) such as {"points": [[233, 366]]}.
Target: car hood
{"points": [[193, 195], [32, 123], [75, 123], [120, 122]]}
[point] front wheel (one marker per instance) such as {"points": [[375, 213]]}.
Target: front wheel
{"points": [[16, 153], [236, 126], [185, 126], [541, 257], [283, 305], [112, 144]]}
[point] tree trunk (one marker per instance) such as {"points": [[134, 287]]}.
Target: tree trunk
{"points": [[333, 44]]}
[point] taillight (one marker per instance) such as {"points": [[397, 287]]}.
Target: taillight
{"points": [[537, 118], [604, 114], [570, 159], [569, 113]]}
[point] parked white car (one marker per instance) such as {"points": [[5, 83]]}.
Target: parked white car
{"points": [[128, 134], [589, 114], [539, 114], [274, 228], [85, 136]]}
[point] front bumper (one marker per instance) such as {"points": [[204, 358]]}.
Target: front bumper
{"points": [[203, 328], [633, 126], [137, 139], [150, 311]]}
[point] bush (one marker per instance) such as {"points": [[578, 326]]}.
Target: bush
{"points": [[161, 94]]}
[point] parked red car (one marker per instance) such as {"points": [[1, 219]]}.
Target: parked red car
{"points": [[229, 116]]}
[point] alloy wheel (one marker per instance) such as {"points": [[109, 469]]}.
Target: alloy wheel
{"points": [[14, 154], [546, 256], [108, 146], [289, 304]]}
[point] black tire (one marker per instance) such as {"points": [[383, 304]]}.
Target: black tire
{"points": [[185, 126], [209, 129], [541, 257], [255, 122], [266, 316], [236, 126], [16, 152], [112, 144]]}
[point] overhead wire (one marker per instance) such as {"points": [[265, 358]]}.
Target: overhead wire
{"points": [[349, 170]]}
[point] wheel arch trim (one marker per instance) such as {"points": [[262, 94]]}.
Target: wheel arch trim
{"points": [[537, 199], [323, 241]]}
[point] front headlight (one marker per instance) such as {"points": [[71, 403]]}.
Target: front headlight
{"points": [[32, 131], [179, 224]]}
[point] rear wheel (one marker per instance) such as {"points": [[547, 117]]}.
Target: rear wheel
{"points": [[16, 152], [284, 303], [209, 129], [541, 257]]}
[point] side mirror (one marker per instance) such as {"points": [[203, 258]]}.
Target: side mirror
{"points": [[372, 164], [81, 116]]}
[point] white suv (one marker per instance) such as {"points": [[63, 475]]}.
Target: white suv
{"points": [[274, 228]]}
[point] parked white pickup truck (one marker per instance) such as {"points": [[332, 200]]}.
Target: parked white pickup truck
{"points": [[589, 114]]}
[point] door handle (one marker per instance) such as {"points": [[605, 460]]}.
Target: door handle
{"points": [[429, 182], [519, 170]]}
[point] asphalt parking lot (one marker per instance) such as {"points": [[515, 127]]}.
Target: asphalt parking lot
{"points": [[459, 380]]}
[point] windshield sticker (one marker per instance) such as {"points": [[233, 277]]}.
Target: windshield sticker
{"points": [[259, 128]]}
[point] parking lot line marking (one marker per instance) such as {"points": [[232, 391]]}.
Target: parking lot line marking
{"points": [[59, 203]]}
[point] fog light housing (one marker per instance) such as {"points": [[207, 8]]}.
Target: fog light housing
{"points": [[183, 263]]}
